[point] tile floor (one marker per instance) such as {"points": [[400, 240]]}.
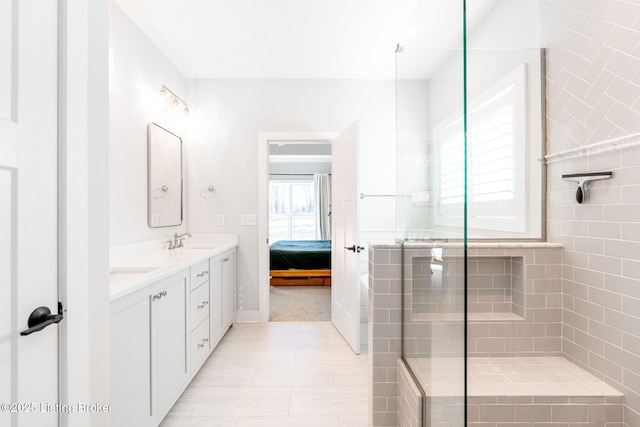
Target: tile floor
{"points": [[278, 374]]}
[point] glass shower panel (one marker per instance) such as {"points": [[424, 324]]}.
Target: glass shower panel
{"points": [[431, 207], [504, 115], [470, 101]]}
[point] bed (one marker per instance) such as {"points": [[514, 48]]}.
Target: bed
{"points": [[300, 262]]}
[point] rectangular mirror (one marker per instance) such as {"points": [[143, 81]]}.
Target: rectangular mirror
{"points": [[164, 168]]}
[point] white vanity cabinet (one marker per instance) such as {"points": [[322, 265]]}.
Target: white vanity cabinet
{"points": [[131, 396], [222, 289], [163, 328], [169, 305], [228, 288], [215, 307], [200, 306], [149, 351]]}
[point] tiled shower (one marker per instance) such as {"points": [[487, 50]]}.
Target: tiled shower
{"points": [[520, 325]]}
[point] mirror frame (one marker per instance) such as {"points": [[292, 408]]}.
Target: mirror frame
{"points": [[175, 210]]}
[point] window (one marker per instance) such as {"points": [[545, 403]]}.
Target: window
{"points": [[496, 160], [291, 211]]}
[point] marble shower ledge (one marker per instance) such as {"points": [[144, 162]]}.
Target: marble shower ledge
{"points": [[593, 149], [470, 245], [471, 317]]}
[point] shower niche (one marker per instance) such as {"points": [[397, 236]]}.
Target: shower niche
{"points": [[495, 288], [513, 300]]}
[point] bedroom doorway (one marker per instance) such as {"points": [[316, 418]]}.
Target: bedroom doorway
{"points": [[287, 164], [345, 280], [299, 227]]}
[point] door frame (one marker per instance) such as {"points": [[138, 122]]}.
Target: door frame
{"points": [[83, 208], [264, 139]]}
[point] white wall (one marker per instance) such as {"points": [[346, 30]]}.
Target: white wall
{"points": [[220, 138], [137, 70], [223, 151]]}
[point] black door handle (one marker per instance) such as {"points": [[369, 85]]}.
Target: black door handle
{"points": [[354, 248], [41, 317]]}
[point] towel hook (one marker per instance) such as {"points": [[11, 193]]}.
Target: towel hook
{"points": [[160, 192], [208, 192]]}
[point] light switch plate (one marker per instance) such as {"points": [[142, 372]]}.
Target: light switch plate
{"points": [[220, 219], [248, 219]]}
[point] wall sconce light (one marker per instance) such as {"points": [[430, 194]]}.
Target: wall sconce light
{"points": [[584, 181], [174, 100]]}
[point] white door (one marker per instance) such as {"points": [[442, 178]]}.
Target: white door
{"points": [[28, 210], [345, 289]]}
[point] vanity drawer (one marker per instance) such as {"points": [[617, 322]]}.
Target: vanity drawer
{"points": [[199, 273], [199, 345], [199, 303]]}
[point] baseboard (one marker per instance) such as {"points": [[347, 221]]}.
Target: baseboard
{"points": [[247, 316]]}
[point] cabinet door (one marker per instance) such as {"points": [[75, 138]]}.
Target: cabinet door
{"points": [[215, 301], [131, 396], [228, 288], [170, 306], [199, 346]]}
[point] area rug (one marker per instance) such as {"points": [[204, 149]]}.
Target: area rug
{"points": [[300, 303]]}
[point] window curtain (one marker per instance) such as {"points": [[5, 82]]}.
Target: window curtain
{"points": [[322, 184]]}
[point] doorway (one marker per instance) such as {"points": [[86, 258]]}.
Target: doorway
{"points": [[288, 163], [344, 243], [299, 231]]}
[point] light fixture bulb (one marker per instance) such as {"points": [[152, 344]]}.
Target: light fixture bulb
{"points": [[173, 100]]}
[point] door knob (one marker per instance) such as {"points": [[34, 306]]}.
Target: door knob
{"points": [[41, 317], [354, 248]]}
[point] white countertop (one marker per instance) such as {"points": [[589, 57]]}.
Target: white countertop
{"points": [[133, 269]]}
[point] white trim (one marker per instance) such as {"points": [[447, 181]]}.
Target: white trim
{"points": [[283, 158], [247, 316], [9, 145], [621, 143], [84, 213], [264, 139]]}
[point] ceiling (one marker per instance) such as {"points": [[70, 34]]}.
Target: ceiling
{"points": [[288, 39]]}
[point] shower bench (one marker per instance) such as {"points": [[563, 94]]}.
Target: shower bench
{"points": [[518, 374], [512, 391]]}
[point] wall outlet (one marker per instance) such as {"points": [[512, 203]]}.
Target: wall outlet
{"points": [[247, 219], [220, 219]]}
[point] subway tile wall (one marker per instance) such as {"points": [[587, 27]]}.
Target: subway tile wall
{"points": [[601, 278], [592, 60], [593, 95], [556, 411], [409, 399], [384, 330]]}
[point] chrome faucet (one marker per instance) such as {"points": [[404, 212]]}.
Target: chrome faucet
{"points": [[178, 240]]}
